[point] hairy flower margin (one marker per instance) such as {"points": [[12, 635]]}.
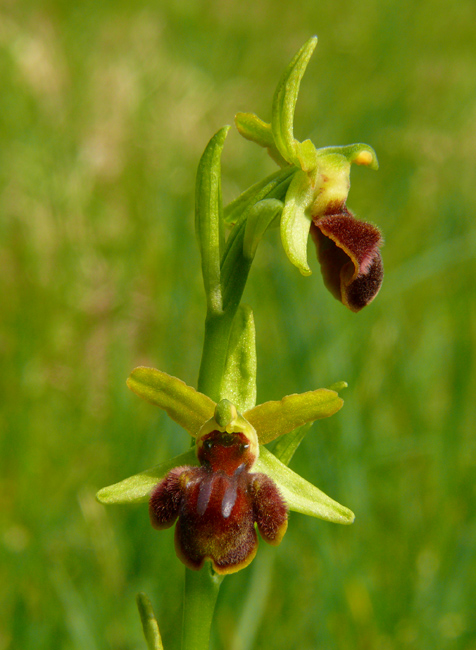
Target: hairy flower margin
{"points": [[228, 481]]}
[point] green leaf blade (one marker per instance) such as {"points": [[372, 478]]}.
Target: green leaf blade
{"points": [[185, 405]]}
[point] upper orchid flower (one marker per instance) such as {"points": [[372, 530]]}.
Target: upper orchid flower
{"points": [[347, 248], [237, 482]]}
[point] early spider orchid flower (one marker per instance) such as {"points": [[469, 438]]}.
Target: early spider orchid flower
{"points": [[315, 201], [227, 484]]}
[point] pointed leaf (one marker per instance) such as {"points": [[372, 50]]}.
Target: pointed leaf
{"points": [[239, 380], [273, 419], [284, 103], [299, 494], [260, 218], [137, 488], [186, 406], [149, 623], [296, 221], [209, 218]]}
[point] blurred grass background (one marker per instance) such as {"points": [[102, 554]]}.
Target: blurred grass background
{"points": [[105, 108]]}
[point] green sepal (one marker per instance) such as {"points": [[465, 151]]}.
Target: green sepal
{"points": [[359, 154], [149, 623], [287, 445], [239, 379], [284, 103], [137, 488], [260, 218], [274, 419], [300, 495], [296, 220], [209, 218], [252, 128], [185, 405]]}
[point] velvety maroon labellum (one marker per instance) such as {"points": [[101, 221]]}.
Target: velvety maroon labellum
{"points": [[217, 506], [349, 255]]}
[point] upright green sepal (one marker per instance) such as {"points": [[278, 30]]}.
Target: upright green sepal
{"points": [[239, 379], [300, 495], [284, 103], [296, 220], [209, 218], [182, 403]]}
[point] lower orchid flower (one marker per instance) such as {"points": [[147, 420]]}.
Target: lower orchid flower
{"points": [[228, 484]]}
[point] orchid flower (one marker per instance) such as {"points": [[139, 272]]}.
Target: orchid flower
{"points": [[347, 248], [228, 480]]}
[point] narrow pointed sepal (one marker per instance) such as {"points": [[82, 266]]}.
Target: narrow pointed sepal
{"points": [[273, 419], [137, 488], [300, 495], [185, 405]]}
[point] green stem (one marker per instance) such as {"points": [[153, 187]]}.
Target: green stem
{"points": [[201, 591], [201, 587]]}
